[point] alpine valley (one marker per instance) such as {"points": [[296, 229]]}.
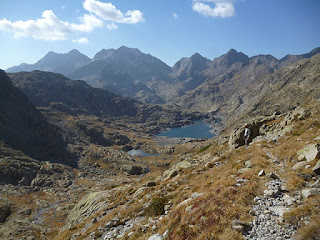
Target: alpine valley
{"points": [[67, 123]]}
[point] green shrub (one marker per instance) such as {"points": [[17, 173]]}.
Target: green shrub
{"points": [[156, 207], [204, 148]]}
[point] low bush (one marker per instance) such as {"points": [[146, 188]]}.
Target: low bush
{"points": [[156, 207]]}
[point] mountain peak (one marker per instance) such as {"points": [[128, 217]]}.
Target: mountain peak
{"points": [[197, 56], [233, 56], [50, 53], [199, 62], [103, 54], [232, 51], [126, 50], [74, 51]]}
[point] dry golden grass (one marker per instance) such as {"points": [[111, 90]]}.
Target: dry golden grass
{"points": [[222, 202], [210, 216], [309, 232], [276, 121], [310, 209]]}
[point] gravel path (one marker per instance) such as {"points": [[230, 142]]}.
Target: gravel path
{"points": [[269, 210]]}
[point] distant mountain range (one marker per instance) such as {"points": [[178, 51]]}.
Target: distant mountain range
{"points": [[221, 85], [64, 63]]}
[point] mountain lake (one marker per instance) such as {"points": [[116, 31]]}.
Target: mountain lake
{"points": [[198, 130], [140, 153]]}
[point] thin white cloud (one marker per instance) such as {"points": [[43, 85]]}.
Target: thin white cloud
{"points": [[81, 40], [109, 12], [175, 16], [220, 8], [51, 28], [112, 26]]}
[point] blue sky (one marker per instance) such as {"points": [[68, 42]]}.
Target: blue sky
{"points": [[167, 29]]}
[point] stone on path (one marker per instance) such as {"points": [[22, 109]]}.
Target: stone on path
{"points": [[261, 173], [306, 193]]}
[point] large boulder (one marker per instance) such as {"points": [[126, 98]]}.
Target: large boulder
{"points": [[174, 170], [309, 152], [236, 138], [135, 169]]}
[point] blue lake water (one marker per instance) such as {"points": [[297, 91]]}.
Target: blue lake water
{"points": [[197, 130]]}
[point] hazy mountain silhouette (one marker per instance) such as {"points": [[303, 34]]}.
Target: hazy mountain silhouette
{"points": [[64, 63]]}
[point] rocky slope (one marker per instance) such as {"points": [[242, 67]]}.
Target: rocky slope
{"points": [[284, 90], [23, 127], [45, 88], [233, 79]]}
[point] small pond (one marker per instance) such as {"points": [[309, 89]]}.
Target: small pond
{"points": [[140, 153], [198, 130]]}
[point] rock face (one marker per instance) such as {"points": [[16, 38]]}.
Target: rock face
{"points": [[23, 127], [188, 71], [228, 77]]}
